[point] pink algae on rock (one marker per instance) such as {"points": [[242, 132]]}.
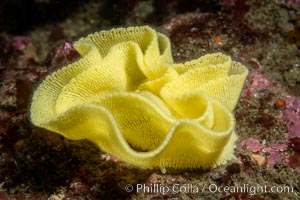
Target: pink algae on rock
{"points": [[272, 152], [255, 83], [278, 147], [252, 144], [291, 116]]}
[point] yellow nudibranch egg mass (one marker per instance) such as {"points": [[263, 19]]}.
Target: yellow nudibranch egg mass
{"points": [[126, 95]]}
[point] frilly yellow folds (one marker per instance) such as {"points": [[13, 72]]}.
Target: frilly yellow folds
{"points": [[127, 96]]}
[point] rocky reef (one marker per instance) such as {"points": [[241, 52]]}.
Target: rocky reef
{"points": [[262, 35]]}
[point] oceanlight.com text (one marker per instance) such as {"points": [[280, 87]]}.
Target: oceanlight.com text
{"points": [[206, 188]]}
